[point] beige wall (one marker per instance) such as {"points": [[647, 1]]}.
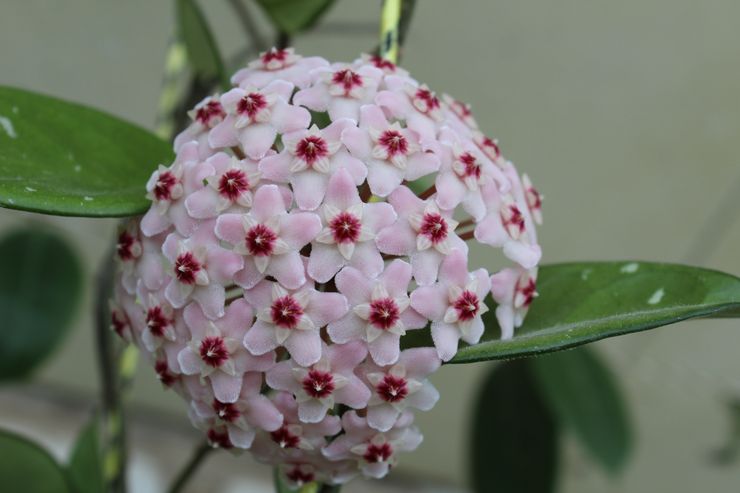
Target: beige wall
{"points": [[626, 114]]}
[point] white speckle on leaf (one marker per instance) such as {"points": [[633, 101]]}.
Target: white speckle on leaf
{"points": [[77, 168], [585, 273], [14, 109], [8, 127], [29, 189], [656, 297], [88, 199], [630, 268], [11, 201]]}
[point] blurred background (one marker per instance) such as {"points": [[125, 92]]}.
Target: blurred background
{"points": [[625, 114]]}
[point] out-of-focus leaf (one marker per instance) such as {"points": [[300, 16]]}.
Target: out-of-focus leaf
{"points": [[26, 467], [66, 159], [587, 301], [292, 16], [203, 52], [582, 393], [85, 468], [40, 289], [514, 437]]}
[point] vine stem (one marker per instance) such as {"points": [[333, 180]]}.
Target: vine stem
{"points": [[199, 455]]}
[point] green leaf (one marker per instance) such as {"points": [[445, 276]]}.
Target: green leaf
{"points": [[583, 394], [85, 466], [514, 438], [40, 290], [66, 159], [26, 467], [203, 52], [584, 302], [292, 16]]}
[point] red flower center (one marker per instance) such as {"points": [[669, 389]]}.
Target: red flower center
{"points": [[513, 220], [210, 113], [251, 104], [425, 100], [467, 305], [118, 322], [392, 389], [233, 183], [394, 142], [434, 227], [157, 321], [346, 79], [213, 351], [163, 373], [260, 240], [318, 384], [274, 55], [286, 312], [382, 63], [345, 227], [472, 166], [285, 438], [125, 245], [219, 438], [299, 477], [311, 149], [384, 313], [165, 183], [378, 453], [490, 147], [534, 199], [528, 291], [186, 267], [226, 412]]}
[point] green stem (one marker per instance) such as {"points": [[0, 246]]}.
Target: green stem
{"points": [[283, 40], [395, 19], [200, 453]]}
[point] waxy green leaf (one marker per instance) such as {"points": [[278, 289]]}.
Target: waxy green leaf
{"points": [[582, 392], [203, 52], [85, 467], [67, 159], [40, 290], [514, 437], [292, 16], [26, 467], [583, 302]]}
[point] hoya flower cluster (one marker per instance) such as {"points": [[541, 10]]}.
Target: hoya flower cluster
{"points": [[289, 249]]}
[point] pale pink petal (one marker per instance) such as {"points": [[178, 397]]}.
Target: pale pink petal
{"points": [[248, 362], [195, 321], [344, 108], [224, 134], [383, 178], [346, 329], [312, 411], [450, 190], [525, 255], [505, 318], [309, 188], [263, 414], [226, 388], [203, 204], [397, 277], [268, 202], [259, 296], [420, 362], [154, 223], [424, 399], [385, 349], [345, 357], [288, 270], [241, 438], [190, 363], [288, 118], [299, 228], [280, 377], [454, 268], [256, 139], [367, 259], [325, 262], [413, 320], [211, 299], [430, 301], [397, 239], [421, 164], [277, 167], [378, 215], [229, 228], [354, 285], [358, 142], [326, 307], [260, 339], [445, 337], [382, 417], [304, 346], [354, 394], [473, 205], [475, 332], [237, 319], [223, 264], [249, 276], [315, 98], [425, 265], [341, 191]]}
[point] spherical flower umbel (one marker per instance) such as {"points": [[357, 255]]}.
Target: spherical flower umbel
{"points": [[318, 216]]}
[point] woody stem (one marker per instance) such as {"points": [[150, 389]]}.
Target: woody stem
{"points": [[192, 465]]}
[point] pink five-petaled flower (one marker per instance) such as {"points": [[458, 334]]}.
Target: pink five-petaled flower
{"points": [[508, 224], [331, 380], [349, 229], [403, 385], [207, 114], [340, 90], [160, 323], [380, 312], [256, 117], [309, 158], [534, 199], [374, 451], [291, 319], [392, 153], [278, 64], [294, 437], [513, 289], [423, 232], [200, 269], [415, 104], [166, 188], [231, 184], [454, 304], [269, 239], [215, 349], [250, 412]]}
